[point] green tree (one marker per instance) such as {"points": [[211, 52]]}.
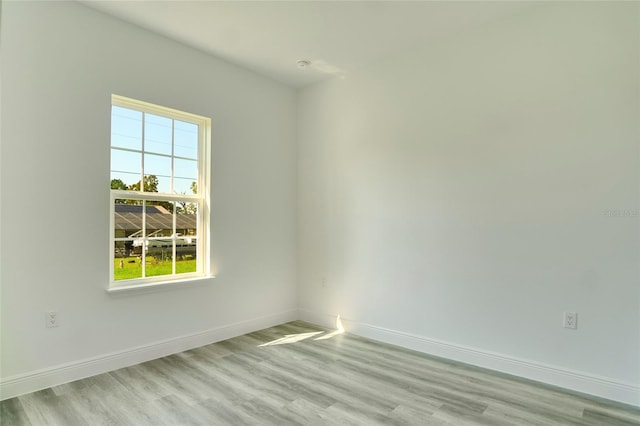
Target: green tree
{"points": [[150, 184], [118, 184]]}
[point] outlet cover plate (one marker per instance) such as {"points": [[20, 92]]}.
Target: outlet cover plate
{"points": [[51, 318], [570, 320]]}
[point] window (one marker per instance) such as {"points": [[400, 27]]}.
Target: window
{"points": [[159, 194]]}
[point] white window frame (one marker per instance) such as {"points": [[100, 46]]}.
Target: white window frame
{"points": [[202, 199]]}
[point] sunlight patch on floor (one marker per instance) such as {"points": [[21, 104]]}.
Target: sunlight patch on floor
{"points": [[339, 330], [293, 338]]}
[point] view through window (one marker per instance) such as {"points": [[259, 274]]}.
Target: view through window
{"points": [[159, 182]]}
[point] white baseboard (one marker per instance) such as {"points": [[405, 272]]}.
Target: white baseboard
{"points": [[76, 370], [577, 381]]}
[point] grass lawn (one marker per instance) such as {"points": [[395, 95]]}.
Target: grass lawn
{"points": [[131, 267]]}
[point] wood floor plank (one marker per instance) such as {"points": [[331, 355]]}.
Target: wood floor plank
{"points": [[45, 407], [134, 380], [301, 374], [600, 408], [602, 418], [12, 413], [93, 409], [409, 415], [223, 414]]}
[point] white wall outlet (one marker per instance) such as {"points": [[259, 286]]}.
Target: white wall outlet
{"points": [[51, 319], [570, 320]]}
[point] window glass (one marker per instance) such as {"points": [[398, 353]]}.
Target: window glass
{"points": [[158, 134], [126, 128], [126, 166], [186, 140]]}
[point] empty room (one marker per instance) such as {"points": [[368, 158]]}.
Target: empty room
{"points": [[319, 213]]}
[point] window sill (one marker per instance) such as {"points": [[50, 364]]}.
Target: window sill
{"points": [[161, 285]]}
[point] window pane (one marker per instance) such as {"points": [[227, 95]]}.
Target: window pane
{"points": [[185, 169], [185, 186], [159, 219], [125, 268], [157, 134], [185, 140], [159, 257], [186, 253], [127, 220], [126, 128], [157, 172], [127, 255], [159, 240], [186, 176], [125, 166], [186, 242]]}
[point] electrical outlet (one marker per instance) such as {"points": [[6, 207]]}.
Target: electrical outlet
{"points": [[571, 320], [51, 319]]}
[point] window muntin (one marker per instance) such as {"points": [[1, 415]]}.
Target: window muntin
{"points": [[159, 187]]}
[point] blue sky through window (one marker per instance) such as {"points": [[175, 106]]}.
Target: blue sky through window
{"points": [[161, 142]]}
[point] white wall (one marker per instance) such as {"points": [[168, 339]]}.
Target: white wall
{"points": [[453, 198], [61, 61]]}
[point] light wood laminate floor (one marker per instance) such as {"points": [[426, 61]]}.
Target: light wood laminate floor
{"points": [[298, 373]]}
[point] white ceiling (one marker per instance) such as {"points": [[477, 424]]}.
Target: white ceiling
{"points": [[269, 37]]}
